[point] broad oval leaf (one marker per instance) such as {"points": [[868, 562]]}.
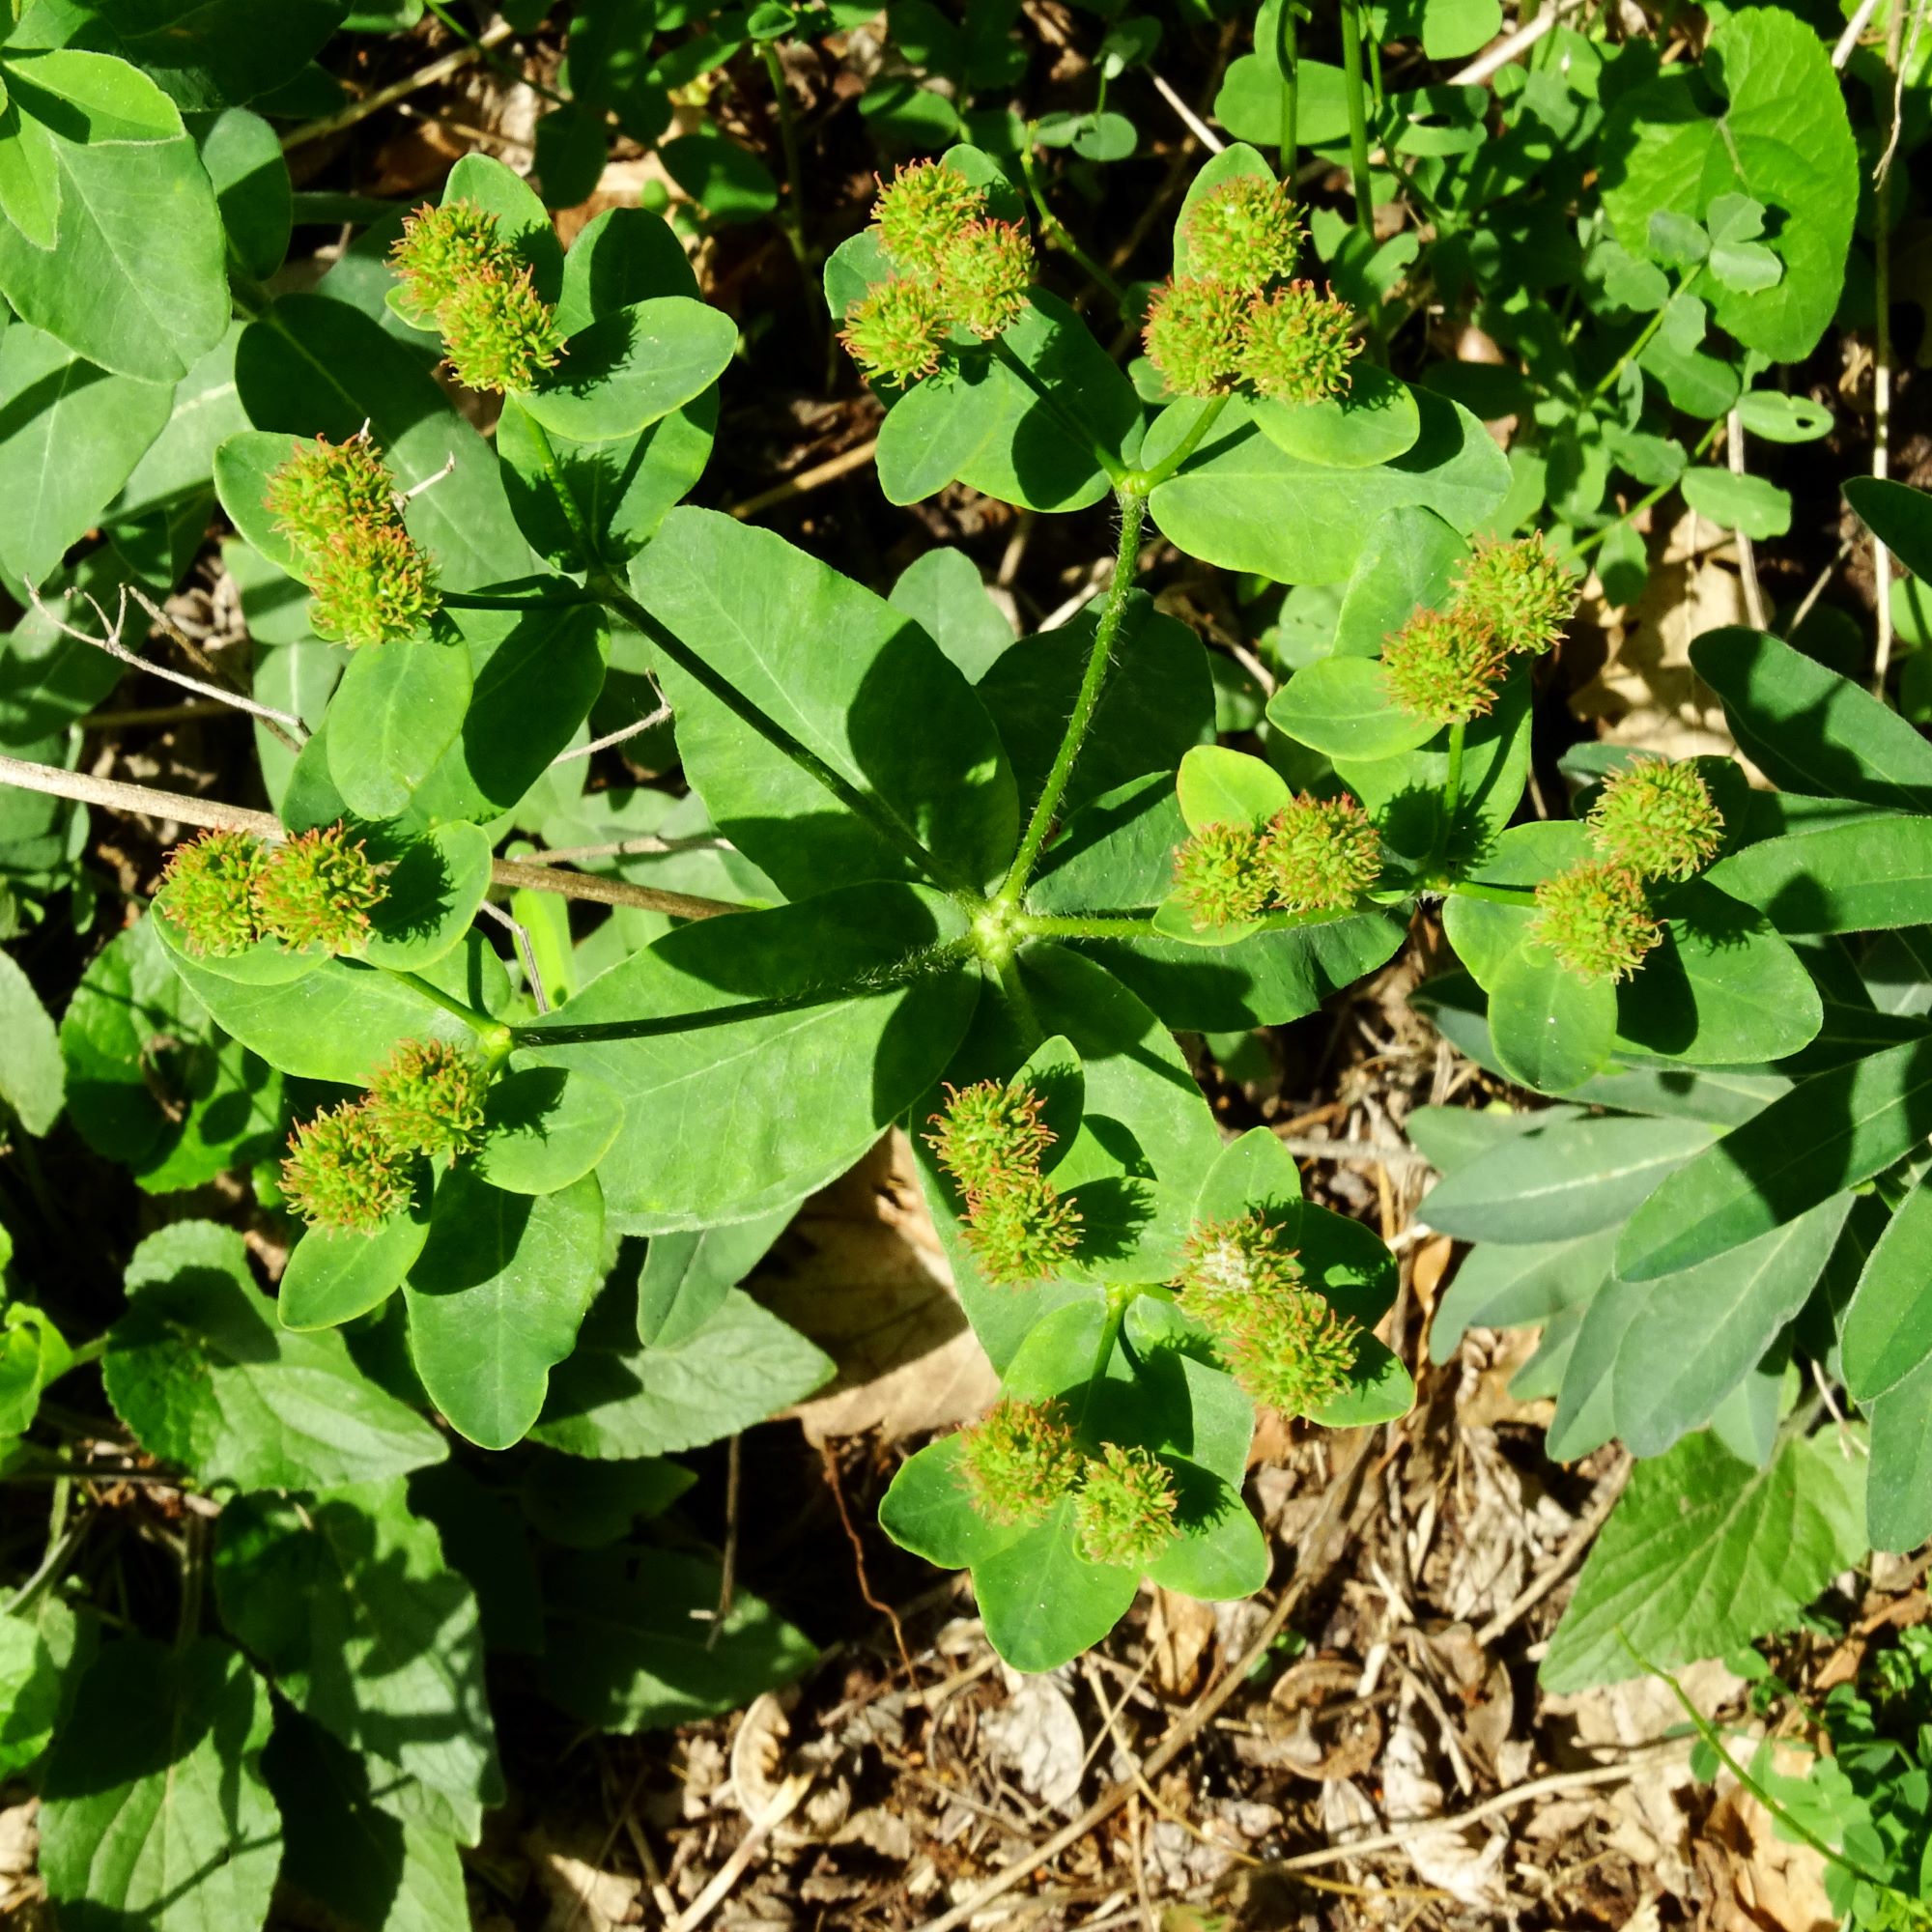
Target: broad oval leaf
{"points": [[331, 1278], [1888, 1327], [633, 366], [1552, 1028], [1375, 421], [1341, 706]]}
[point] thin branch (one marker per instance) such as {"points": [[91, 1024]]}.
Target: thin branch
{"points": [[630, 848], [1491, 60], [452, 63], [281, 722], [807, 480], [661, 716], [1193, 123], [1854, 28], [148, 803], [1566, 1559], [520, 938]]}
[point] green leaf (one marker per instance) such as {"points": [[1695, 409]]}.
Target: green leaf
{"points": [[822, 1022], [153, 1812], [43, 1653], [243, 159], [1888, 1327], [626, 255], [1255, 1174], [1219, 787], [1374, 422], [942, 592], [1780, 418], [628, 1649], [1698, 383], [365, 1857], [434, 886], [1809, 729], [331, 1278], [545, 1129], [1408, 564], [1157, 702], [1244, 503], [1899, 1489], [1847, 876], [686, 1277], [198, 1369], [1782, 139], [615, 1401], [1655, 1358], [311, 365], [570, 151], [587, 1506], [32, 1354], [1341, 705], [1454, 29], [1897, 515], [1748, 503], [348, 1604], [213, 52], [137, 282], [1522, 1284], [1835, 1130], [633, 366], [496, 1296], [29, 178], [777, 650], [398, 708], [1551, 1182], [33, 1079], [1553, 1029], [729, 183], [69, 437], [1702, 1553]]}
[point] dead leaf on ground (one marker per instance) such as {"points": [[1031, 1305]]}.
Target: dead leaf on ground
{"points": [[1036, 1735], [1179, 1631], [1467, 1863], [582, 1897], [1758, 1881]]}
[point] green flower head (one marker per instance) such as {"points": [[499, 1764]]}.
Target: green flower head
{"points": [[208, 890], [989, 1134], [460, 271], [1519, 590], [896, 332], [317, 889], [1657, 818], [428, 1098], [343, 1174], [373, 584], [1295, 1352], [1018, 1460], [1244, 234], [1321, 854], [984, 274], [1221, 875], [1022, 1231], [1228, 1267], [1193, 335], [1596, 918], [1126, 1509], [323, 490], [1443, 666], [921, 211], [1296, 344], [441, 250]]}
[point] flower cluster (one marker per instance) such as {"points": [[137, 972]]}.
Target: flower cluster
{"points": [[1286, 1346], [1235, 317], [1510, 596], [992, 1140], [226, 891], [462, 275], [351, 1169], [336, 504], [1315, 855], [1652, 820], [1019, 1461], [957, 265]]}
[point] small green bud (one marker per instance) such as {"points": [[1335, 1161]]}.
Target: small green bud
{"points": [[208, 890], [1244, 234], [1193, 335], [896, 332], [373, 584], [921, 210], [428, 1099], [1443, 666], [1321, 854], [1126, 1509], [1018, 1460], [1596, 918], [317, 889], [1519, 590], [1227, 1266], [984, 274], [441, 249], [1296, 344], [1221, 875], [1295, 1352], [1022, 1231], [1657, 818], [500, 335], [343, 1174], [990, 1133]]}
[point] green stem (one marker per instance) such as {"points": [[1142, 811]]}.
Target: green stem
{"points": [[1133, 513], [794, 219], [88, 1352], [1645, 501], [1288, 58], [1118, 1299], [1071, 424], [1451, 788], [494, 1036], [1019, 1002], [1057, 232], [490, 57], [1644, 336], [1148, 481], [573, 511], [1359, 121]]}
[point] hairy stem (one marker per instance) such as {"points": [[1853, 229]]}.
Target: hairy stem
{"points": [[1288, 58], [1133, 513], [494, 1033], [1018, 1002], [1058, 232], [1103, 926], [1150, 480]]}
